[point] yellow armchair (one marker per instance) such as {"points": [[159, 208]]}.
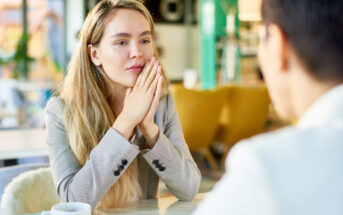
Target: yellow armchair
{"points": [[199, 112], [244, 113]]}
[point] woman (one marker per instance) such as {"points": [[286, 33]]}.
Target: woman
{"points": [[111, 134]]}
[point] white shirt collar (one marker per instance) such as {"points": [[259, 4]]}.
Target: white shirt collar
{"points": [[326, 109]]}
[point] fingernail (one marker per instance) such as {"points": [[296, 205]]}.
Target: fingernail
{"points": [[153, 58]]}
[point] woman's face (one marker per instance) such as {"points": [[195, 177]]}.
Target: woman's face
{"points": [[125, 47]]}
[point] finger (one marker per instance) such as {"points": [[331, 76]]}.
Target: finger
{"points": [[153, 85], [128, 91], [152, 75], [157, 96], [138, 82], [139, 79], [146, 70], [159, 86]]}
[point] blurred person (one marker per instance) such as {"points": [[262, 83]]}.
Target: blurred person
{"points": [[298, 169], [46, 45], [112, 126]]}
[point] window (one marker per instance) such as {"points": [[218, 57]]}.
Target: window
{"points": [[27, 90]]}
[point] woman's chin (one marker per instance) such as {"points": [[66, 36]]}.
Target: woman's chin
{"points": [[129, 85], [132, 82]]}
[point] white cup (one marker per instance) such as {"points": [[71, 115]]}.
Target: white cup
{"points": [[189, 78], [69, 208]]}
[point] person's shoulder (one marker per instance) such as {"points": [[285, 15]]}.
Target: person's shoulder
{"points": [[267, 143], [269, 139], [292, 137], [280, 144], [55, 106]]}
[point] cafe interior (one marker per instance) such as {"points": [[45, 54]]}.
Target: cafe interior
{"points": [[208, 49]]}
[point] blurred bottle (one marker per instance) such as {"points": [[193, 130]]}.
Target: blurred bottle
{"points": [[231, 60]]}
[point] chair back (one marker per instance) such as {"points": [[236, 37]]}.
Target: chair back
{"points": [[29, 192], [244, 113], [198, 111], [10, 172]]}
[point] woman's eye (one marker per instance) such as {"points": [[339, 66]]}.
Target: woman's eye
{"points": [[121, 43], [145, 41]]}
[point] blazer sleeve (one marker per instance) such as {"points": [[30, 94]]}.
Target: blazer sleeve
{"points": [[170, 157], [107, 161], [244, 189]]}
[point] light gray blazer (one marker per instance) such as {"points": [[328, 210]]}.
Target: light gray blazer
{"points": [[169, 160]]}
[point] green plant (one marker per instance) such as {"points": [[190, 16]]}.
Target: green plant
{"points": [[19, 61]]}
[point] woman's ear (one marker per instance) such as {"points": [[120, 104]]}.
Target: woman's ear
{"points": [[93, 53]]}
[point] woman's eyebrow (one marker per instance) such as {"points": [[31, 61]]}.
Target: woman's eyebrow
{"points": [[121, 35], [144, 33]]}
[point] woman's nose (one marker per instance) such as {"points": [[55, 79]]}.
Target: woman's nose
{"points": [[135, 51]]}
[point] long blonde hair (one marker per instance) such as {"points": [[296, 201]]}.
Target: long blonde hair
{"points": [[85, 92]]}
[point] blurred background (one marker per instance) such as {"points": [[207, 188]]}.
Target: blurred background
{"points": [[207, 47]]}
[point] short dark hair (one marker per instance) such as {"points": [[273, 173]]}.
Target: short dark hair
{"points": [[315, 30]]}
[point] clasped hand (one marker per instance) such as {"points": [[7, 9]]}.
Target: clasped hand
{"points": [[141, 103]]}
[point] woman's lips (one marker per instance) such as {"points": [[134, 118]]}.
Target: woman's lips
{"points": [[135, 69]]}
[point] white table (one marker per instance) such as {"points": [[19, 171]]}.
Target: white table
{"points": [[21, 143], [163, 206]]}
